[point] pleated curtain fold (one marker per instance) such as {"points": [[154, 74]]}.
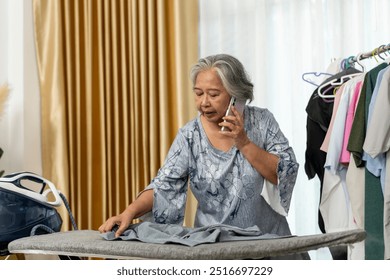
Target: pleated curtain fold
{"points": [[114, 90]]}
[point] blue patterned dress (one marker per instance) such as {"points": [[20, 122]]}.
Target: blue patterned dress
{"points": [[226, 186]]}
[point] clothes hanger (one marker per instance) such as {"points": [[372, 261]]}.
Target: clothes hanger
{"points": [[378, 53], [387, 53], [373, 55], [335, 82], [330, 92], [342, 64], [349, 62], [308, 77], [358, 58], [345, 64]]}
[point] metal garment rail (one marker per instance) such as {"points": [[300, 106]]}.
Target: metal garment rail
{"points": [[360, 56]]}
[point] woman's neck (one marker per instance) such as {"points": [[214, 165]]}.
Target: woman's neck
{"points": [[210, 126], [219, 141]]}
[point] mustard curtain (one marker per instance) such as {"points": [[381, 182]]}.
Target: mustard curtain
{"points": [[114, 91]]}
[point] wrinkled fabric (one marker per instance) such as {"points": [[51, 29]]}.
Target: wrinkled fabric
{"points": [[164, 234]]}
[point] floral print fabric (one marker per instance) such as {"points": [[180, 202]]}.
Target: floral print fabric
{"points": [[226, 186]]}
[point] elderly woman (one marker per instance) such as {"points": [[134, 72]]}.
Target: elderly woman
{"points": [[226, 170]]}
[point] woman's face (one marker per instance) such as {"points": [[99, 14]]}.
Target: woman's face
{"points": [[211, 98]]}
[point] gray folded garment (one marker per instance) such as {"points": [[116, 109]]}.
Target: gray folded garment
{"points": [[169, 233]]}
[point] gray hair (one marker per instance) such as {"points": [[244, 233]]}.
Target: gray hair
{"points": [[231, 72]]}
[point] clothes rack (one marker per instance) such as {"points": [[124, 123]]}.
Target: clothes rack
{"points": [[347, 149], [376, 51], [349, 62]]}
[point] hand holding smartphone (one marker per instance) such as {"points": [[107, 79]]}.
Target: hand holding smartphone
{"points": [[238, 104]]}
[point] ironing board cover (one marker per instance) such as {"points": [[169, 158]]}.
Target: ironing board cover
{"points": [[89, 243]]}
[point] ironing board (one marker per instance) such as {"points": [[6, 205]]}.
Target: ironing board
{"points": [[88, 243]]}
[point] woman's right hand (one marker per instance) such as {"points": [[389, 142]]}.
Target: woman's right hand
{"points": [[140, 206], [122, 220]]}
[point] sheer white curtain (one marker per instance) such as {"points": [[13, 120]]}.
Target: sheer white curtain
{"points": [[20, 125], [279, 40]]}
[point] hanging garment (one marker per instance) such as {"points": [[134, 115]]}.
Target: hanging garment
{"points": [[325, 144], [377, 143], [345, 154], [335, 204], [355, 176], [373, 200], [355, 186], [375, 165], [358, 130], [319, 112]]}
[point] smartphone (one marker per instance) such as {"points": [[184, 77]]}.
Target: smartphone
{"points": [[238, 104]]}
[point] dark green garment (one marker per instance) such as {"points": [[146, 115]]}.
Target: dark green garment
{"points": [[373, 218], [358, 130], [373, 204], [373, 201], [359, 125]]}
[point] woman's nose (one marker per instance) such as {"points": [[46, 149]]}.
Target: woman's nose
{"points": [[205, 100]]}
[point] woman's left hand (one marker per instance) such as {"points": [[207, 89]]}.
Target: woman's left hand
{"points": [[236, 129]]}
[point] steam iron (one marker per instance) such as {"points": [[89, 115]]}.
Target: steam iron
{"points": [[25, 211]]}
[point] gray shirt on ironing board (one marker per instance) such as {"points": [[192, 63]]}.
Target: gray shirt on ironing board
{"points": [[226, 186]]}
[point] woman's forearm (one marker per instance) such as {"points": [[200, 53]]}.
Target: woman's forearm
{"points": [[142, 205]]}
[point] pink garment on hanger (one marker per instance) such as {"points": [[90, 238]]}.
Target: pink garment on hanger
{"points": [[345, 154], [325, 143]]}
